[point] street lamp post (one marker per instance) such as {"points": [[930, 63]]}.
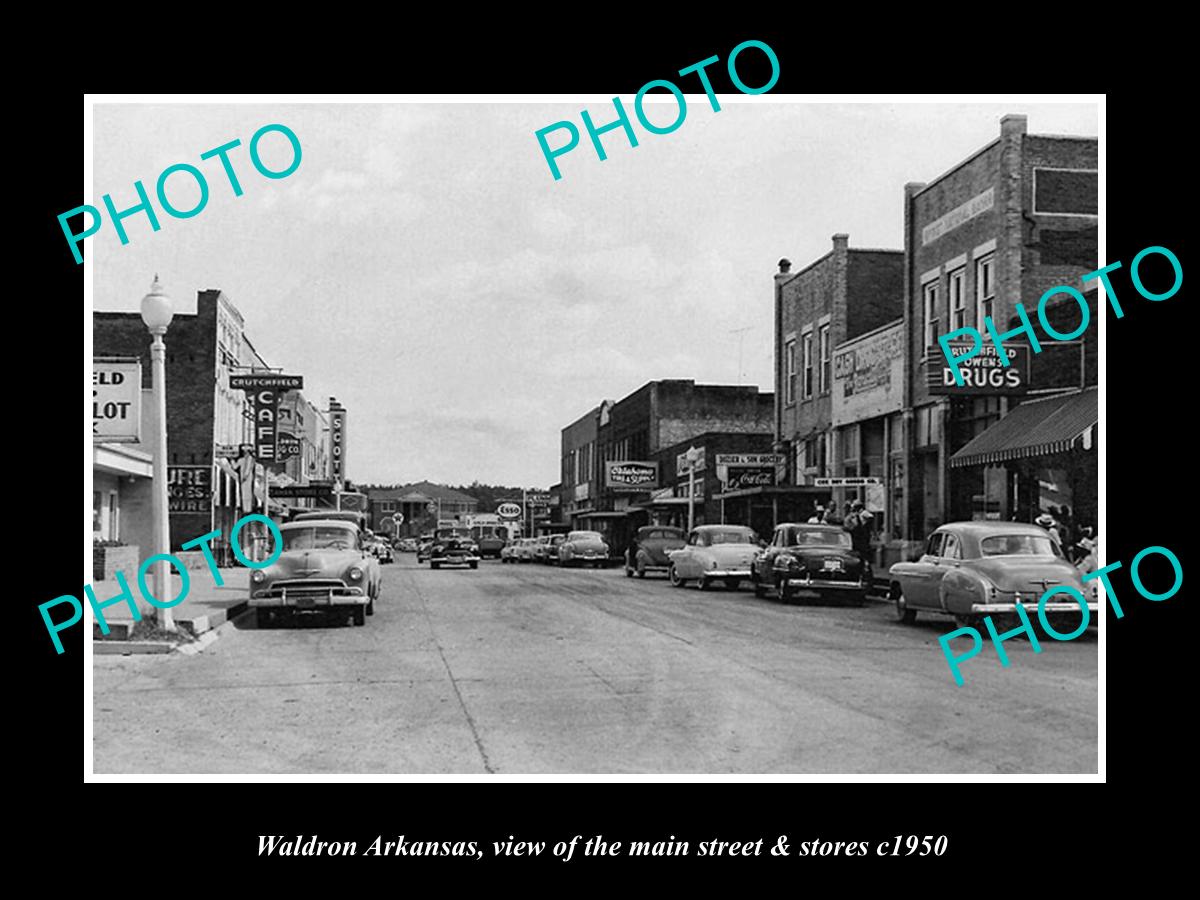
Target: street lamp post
{"points": [[157, 314], [693, 456]]}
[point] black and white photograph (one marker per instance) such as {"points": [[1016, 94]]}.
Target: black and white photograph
{"points": [[509, 436]]}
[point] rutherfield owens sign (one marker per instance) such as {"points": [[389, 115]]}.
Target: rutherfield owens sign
{"points": [[981, 374]]}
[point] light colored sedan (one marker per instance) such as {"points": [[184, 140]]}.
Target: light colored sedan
{"points": [[583, 548], [714, 552]]}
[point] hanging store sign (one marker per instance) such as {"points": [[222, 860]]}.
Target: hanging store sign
{"points": [[982, 374], [630, 475], [287, 446], [264, 390]]}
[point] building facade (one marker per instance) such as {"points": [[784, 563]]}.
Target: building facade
{"points": [[1016, 218], [578, 489], [421, 504]]}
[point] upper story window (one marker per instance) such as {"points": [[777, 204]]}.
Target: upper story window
{"points": [[932, 312], [985, 288], [806, 342], [789, 377], [823, 347], [958, 299]]}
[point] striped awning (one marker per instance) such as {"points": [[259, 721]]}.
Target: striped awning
{"points": [[1035, 428]]}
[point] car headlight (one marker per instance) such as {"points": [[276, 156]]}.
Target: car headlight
{"points": [[258, 576], [355, 574]]}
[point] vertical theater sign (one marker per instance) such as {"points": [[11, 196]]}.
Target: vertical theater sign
{"points": [[337, 441]]}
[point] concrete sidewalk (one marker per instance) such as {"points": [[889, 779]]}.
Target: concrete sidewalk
{"points": [[205, 607]]}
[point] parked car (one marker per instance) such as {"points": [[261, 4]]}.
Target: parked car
{"points": [[524, 550], [712, 552], [407, 545], [583, 548], [452, 547], [508, 553], [423, 548], [490, 539], [322, 565], [973, 569], [550, 555], [811, 559], [649, 548], [326, 515]]}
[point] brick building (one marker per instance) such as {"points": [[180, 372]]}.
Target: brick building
{"points": [[1003, 226], [633, 433], [578, 489], [846, 293]]}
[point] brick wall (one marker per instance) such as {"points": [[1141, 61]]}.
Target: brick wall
{"points": [[874, 290]]}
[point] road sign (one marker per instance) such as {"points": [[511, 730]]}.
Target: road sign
{"points": [[398, 518]]}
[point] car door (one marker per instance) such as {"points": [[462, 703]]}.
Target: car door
{"points": [[949, 559], [685, 559], [920, 586]]}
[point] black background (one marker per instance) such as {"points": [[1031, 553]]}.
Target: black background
{"points": [[177, 828]]}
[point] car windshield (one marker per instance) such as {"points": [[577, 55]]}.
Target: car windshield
{"points": [[1019, 545], [583, 536], [816, 537], [318, 538], [731, 536]]}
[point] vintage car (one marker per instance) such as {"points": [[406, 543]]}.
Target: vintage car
{"points": [[382, 551], [508, 553], [550, 556], [523, 551], [583, 548], [811, 559], [490, 539], [973, 569], [453, 547], [649, 548], [423, 548], [407, 545], [714, 552], [322, 565], [326, 515]]}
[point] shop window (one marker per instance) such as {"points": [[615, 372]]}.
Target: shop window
{"points": [[985, 288], [958, 300]]}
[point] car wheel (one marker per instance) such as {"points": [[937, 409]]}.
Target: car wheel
{"points": [[903, 613], [703, 583], [641, 569], [733, 584], [676, 581], [358, 615], [474, 565], [262, 617]]}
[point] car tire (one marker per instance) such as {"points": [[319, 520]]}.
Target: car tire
{"points": [[732, 584], [903, 613], [641, 570], [262, 617], [474, 565], [359, 615], [703, 583], [674, 578]]}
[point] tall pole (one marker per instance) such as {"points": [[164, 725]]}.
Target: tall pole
{"points": [[162, 532], [691, 495]]}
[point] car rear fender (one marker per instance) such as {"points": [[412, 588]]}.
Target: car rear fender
{"points": [[960, 588]]}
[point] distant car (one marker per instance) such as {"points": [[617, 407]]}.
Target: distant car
{"points": [[973, 569], [583, 548], [712, 553], [650, 547], [424, 547], [383, 551], [453, 547], [323, 565], [811, 559], [407, 545], [508, 553], [550, 554], [523, 552], [490, 539]]}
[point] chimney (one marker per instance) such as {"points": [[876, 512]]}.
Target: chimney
{"points": [[785, 266], [1013, 124]]}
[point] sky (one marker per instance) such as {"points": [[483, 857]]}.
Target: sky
{"points": [[423, 266]]}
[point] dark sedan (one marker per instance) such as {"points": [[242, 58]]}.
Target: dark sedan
{"points": [[453, 549], [649, 549], [811, 559]]}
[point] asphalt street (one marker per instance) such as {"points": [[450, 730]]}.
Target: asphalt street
{"points": [[532, 669]]}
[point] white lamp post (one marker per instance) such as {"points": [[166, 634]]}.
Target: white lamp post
{"points": [[693, 457], [157, 314]]}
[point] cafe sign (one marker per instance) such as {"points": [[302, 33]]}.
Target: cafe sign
{"points": [[116, 400]]}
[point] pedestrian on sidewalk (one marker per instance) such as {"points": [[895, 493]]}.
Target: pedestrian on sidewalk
{"points": [[831, 515], [818, 516]]}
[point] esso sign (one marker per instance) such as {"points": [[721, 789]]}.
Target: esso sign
{"points": [[509, 510]]}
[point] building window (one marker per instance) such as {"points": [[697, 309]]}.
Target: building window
{"points": [[823, 343], [985, 289], [958, 300], [789, 382], [807, 349], [933, 323]]}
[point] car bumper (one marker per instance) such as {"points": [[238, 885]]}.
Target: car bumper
{"points": [[454, 560], [823, 584], [298, 599], [1066, 607], [727, 573]]}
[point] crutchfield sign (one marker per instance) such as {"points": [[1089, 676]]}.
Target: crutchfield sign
{"points": [[264, 390], [630, 475], [116, 400], [982, 374]]}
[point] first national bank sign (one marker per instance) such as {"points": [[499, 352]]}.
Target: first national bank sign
{"points": [[264, 390]]}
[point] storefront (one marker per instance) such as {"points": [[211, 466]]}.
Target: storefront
{"points": [[1040, 458]]}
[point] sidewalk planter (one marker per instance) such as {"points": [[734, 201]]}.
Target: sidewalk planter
{"points": [[108, 560]]}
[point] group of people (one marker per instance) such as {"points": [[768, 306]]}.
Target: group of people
{"points": [[1078, 542], [857, 521]]}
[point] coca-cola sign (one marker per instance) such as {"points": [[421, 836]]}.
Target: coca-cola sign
{"points": [[741, 477]]}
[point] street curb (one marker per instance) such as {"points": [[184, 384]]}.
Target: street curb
{"points": [[212, 635], [129, 648]]}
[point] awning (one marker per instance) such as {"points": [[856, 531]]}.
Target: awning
{"points": [[614, 514], [1035, 428]]}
